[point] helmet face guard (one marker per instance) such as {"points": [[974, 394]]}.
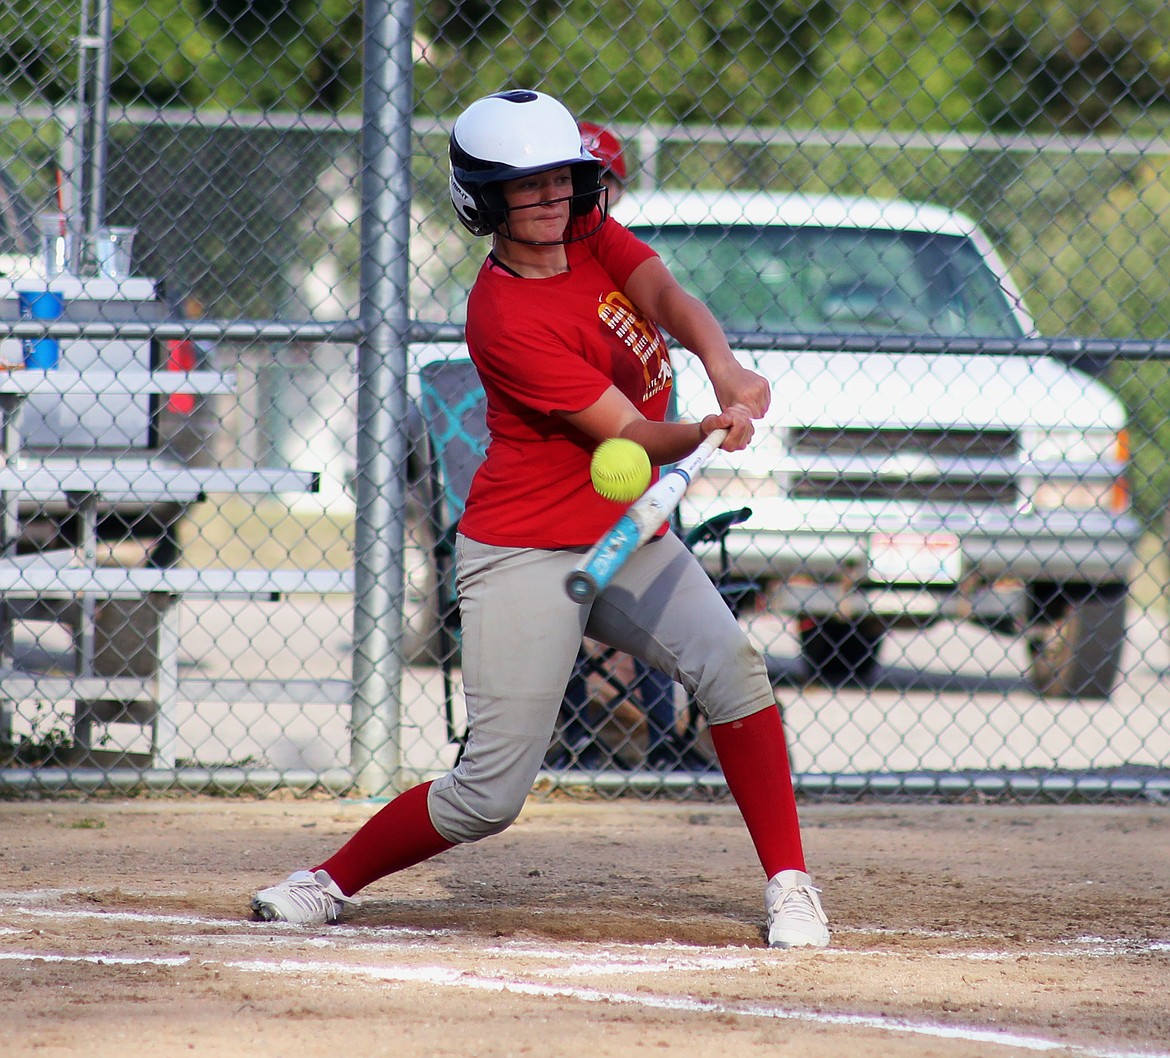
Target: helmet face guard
{"points": [[579, 205], [511, 135]]}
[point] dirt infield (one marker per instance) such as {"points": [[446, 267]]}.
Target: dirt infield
{"points": [[598, 929]]}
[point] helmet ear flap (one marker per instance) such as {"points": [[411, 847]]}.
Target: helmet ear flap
{"points": [[492, 205], [467, 209], [466, 196], [587, 187]]}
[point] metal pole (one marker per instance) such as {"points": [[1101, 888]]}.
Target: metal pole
{"points": [[78, 136], [101, 121], [387, 98]]}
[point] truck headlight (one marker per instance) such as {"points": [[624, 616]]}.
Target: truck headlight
{"points": [[1079, 470]]}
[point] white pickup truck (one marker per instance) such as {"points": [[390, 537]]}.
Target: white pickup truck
{"points": [[893, 488]]}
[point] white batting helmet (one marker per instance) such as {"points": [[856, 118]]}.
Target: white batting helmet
{"points": [[509, 135]]}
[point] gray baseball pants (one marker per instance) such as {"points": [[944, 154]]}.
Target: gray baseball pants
{"points": [[521, 633]]}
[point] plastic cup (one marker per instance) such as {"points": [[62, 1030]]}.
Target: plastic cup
{"points": [[57, 243], [112, 251], [41, 354]]}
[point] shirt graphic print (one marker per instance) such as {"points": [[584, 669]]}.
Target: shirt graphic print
{"points": [[642, 339]]}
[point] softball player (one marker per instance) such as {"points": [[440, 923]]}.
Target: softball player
{"points": [[666, 750], [563, 326]]}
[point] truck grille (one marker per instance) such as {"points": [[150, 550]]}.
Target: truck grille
{"points": [[880, 464]]}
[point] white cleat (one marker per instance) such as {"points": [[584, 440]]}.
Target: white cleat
{"points": [[795, 916], [304, 898]]}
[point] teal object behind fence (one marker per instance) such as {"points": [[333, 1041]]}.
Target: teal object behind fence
{"points": [[453, 406]]}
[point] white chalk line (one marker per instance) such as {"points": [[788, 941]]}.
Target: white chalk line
{"points": [[149, 918], [610, 959], [441, 976], [104, 959], [616, 956], [1101, 945], [618, 959], [23, 897]]}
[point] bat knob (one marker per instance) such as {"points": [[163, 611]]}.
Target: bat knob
{"points": [[581, 587]]}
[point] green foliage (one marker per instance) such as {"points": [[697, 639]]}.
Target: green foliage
{"points": [[1079, 66], [295, 54], [901, 68], [46, 743], [709, 61], [301, 56], [1011, 64], [1104, 277], [36, 40]]}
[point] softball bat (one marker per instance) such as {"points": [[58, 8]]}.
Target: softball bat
{"points": [[640, 522]]}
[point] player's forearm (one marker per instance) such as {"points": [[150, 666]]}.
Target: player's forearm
{"points": [[612, 415], [665, 442], [693, 326]]}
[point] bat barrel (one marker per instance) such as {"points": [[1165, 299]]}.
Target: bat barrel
{"points": [[581, 586]]}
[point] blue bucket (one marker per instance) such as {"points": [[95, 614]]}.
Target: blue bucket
{"points": [[41, 354]]}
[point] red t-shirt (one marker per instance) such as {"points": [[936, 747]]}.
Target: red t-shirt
{"points": [[544, 346]]}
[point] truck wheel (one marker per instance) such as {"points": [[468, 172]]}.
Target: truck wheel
{"points": [[836, 652], [1075, 644]]}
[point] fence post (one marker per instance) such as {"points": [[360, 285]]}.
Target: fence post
{"points": [[376, 748]]}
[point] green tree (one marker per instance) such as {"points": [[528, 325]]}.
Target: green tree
{"points": [[708, 61], [1086, 65], [293, 54], [1105, 279], [1004, 64]]}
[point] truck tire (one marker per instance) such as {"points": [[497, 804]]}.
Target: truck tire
{"points": [[1075, 641], [836, 652]]}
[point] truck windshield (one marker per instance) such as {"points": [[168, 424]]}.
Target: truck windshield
{"points": [[814, 280]]}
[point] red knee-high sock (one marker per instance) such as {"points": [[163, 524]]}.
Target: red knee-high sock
{"points": [[397, 837], [754, 758]]}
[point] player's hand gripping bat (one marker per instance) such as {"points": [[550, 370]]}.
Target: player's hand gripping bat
{"points": [[638, 524]]}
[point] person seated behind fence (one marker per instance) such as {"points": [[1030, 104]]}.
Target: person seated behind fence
{"points": [[607, 149], [653, 691]]}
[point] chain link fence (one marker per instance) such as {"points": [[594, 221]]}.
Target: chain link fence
{"points": [[938, 231]]}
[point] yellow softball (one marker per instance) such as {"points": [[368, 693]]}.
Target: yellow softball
{"points": [[620, 469]]}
